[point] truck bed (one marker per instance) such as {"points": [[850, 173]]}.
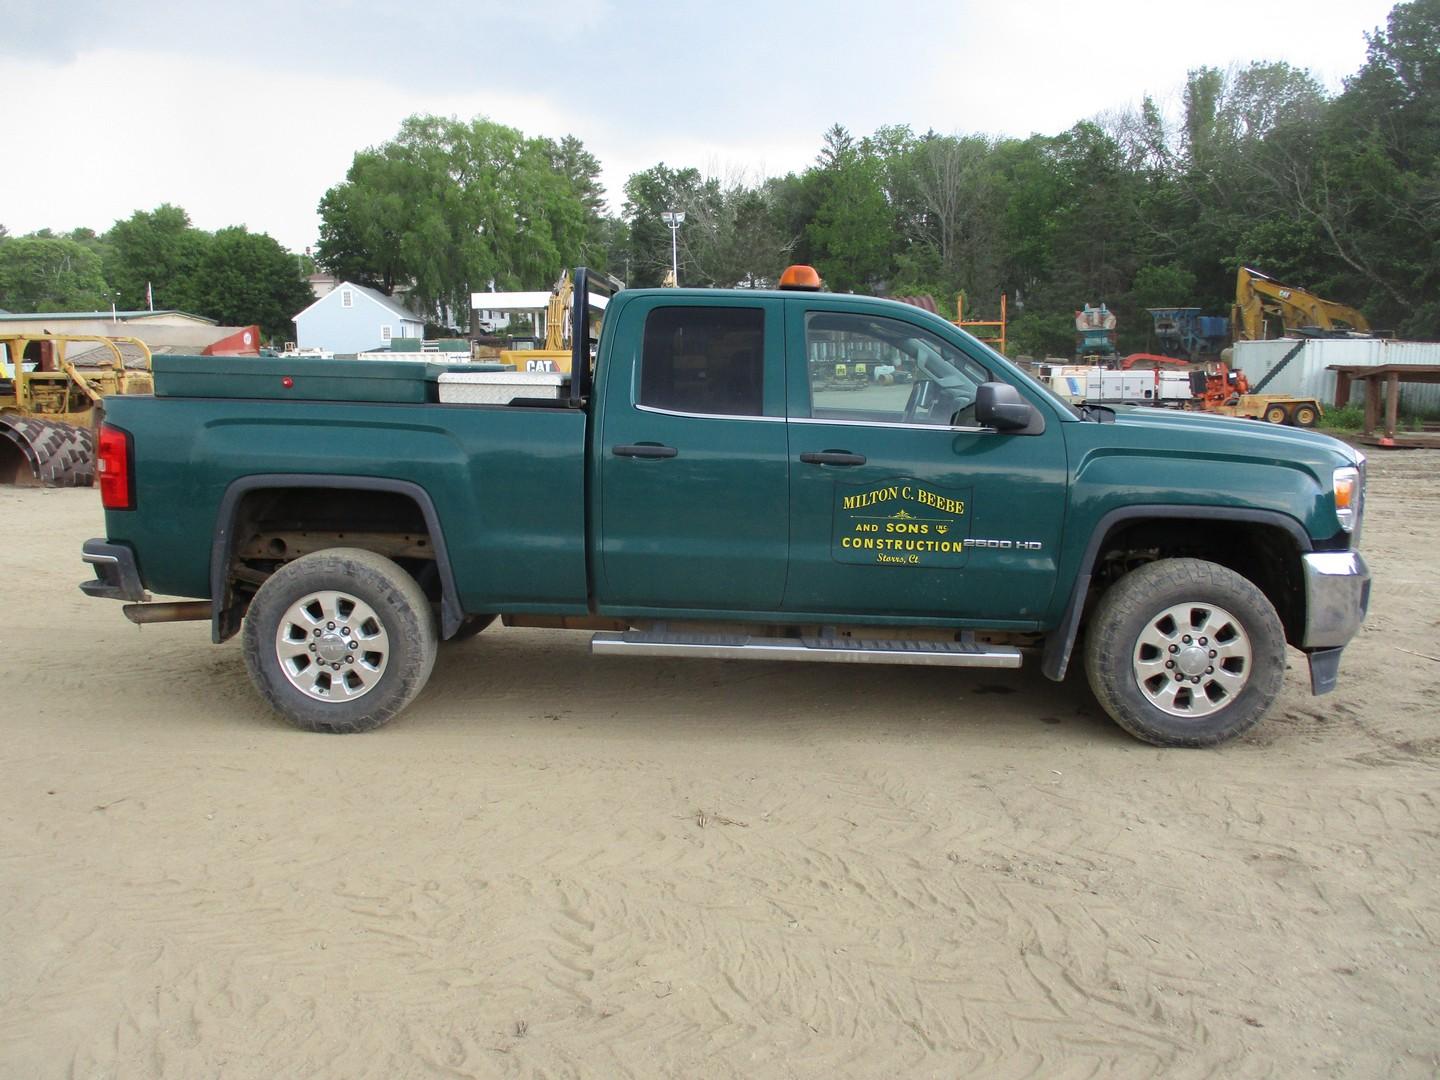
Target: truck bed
{"points": [[507, 485]]}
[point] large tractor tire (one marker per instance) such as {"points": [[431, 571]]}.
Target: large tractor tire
{"points": [[43, 453]]}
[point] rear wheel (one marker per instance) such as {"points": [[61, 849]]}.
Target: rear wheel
{"points": [[1275, 414], [339, 641], [1183, 652], [1306, 416]]}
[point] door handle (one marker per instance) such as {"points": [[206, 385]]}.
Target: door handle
{"points": [[832, 457], [644, 450]]}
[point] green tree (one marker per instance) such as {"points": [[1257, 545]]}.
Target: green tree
{"points": [[648, 195], [852, 234], [1377, 204], [50, 273], [157, 248], [448, 207], [245, 278], [1163, 286]]}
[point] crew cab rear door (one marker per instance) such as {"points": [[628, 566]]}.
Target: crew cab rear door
{"points": [[900, 503], [692, 457]]}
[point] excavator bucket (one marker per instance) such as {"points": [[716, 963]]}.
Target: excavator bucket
{"points": [[43, 453]]}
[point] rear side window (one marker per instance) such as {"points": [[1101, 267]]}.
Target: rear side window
{"points": [[704, 360]]}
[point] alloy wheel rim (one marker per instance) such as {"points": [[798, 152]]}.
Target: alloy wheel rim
{"points": [[332, 646], [1192, 659]]}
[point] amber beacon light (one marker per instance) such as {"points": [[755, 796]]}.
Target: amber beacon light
{"points": [[800, 277]]}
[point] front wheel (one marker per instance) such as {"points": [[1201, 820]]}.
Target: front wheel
{"points": [[339, 641], [1183, 652]]}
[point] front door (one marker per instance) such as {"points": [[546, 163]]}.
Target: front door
{"points": [[693, 473], [900, 504]]}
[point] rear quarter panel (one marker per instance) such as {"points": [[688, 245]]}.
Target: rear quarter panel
{"points": [[507, 484]]}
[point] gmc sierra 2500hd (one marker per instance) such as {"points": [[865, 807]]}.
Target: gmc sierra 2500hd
{"points": [[785, 475]]}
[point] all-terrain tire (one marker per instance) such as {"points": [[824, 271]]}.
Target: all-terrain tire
{"points": [[396, 617], [1150, 629]]}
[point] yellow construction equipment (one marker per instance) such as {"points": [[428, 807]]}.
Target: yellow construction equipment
{"points": [[50, 403], [555, 356], [1300, 313]]}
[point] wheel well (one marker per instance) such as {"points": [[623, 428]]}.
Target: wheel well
{"points": [[273, 526], [1267, 555]]}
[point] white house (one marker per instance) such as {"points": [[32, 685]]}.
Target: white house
{"points": [[353, 319]]}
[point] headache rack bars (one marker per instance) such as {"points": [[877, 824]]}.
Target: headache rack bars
{"points": [[586, 282]]}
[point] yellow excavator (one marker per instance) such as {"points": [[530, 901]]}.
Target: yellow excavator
{"points": [[555, 356], [51, 391], [1259, 299]]}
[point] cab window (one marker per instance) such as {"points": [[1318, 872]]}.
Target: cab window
{"points": [[704, 360], [865, 367]]}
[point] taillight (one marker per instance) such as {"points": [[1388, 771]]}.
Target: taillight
{"points": [[112, 464]]}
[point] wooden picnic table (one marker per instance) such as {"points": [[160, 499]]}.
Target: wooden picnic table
{"points": [[1391, 375]]}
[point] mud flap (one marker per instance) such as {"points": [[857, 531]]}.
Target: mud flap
{"points": [[1324, 669]]}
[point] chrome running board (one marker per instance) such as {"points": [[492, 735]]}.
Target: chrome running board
{"points": [[966, 653]]}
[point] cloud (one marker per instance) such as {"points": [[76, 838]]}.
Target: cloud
{"points": [[230, 143], [335, 37]]}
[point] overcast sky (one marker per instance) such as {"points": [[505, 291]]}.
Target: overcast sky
{"points": [[244, 113]]}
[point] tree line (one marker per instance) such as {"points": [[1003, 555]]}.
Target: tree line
{"points": [[1262, 167], [232, 275]]}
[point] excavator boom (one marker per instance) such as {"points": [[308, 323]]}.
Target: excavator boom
{"points": [[1299, 311]]}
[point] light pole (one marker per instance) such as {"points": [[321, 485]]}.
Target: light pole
{"points": [[674, 218]]}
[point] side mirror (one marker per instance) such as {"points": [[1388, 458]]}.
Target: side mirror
{"points": [[1000, 406]]}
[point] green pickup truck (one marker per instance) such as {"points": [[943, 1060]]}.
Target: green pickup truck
{"points": [[786, 475]]}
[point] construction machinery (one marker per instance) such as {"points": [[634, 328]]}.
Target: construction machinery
{"points": [[52, 388], [1095, 335], [1169, 382], [1261, 302], [1184, 333], [553, 354]]}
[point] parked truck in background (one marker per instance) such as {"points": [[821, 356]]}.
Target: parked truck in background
{"points": [[698, 490]]}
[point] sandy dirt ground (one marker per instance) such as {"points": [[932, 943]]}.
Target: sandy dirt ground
{"points": [[561, 866]]}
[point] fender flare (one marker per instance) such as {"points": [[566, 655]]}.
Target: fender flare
{"points": [[225, 620], [1060, 643]]}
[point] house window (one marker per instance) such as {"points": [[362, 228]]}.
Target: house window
{"points": [[384, 333], [347, 298]]}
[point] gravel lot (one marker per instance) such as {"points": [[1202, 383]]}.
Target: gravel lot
{"points": [[558, 866]]}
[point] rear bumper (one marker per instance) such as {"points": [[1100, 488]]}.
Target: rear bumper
{"points": [[116, 575], [1337, 594]]}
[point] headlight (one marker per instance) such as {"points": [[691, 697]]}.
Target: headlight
{"points": [[1347, 496]]}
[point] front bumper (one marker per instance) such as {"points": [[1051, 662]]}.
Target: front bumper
{"points": [[1337, 594], [116, 575]]}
